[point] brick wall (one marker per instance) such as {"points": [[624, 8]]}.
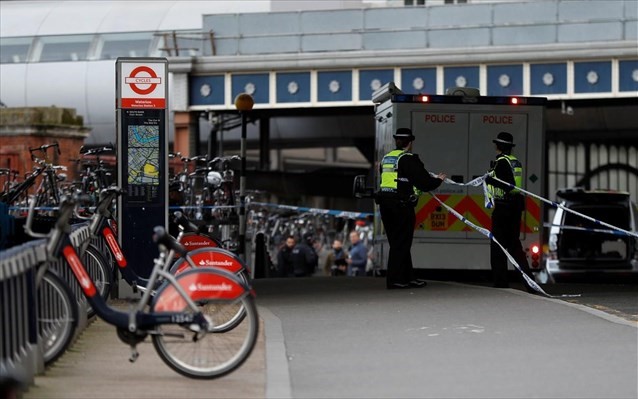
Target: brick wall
{"points": [[25, 128]]}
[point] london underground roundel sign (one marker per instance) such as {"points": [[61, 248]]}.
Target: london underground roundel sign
{"points": [[143, 85]]}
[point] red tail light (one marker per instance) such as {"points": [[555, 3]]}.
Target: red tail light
{"points": [[536, 251]]}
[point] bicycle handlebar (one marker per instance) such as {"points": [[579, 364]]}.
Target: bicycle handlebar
{"points": [[160, 236], [225, 159], [106, 196], [184, 223], [94, 151], [29, 223], [44, 148]]}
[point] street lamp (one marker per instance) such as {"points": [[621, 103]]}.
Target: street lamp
{"points": [[244, 103]]}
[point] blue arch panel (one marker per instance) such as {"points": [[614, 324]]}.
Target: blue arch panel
{"points": [[206, 90], [592, 77], [257, 83], [505, 80], [293, 87], [628, 75], [334, 86], [371, 80], [453, 76], [548, 78], [418, 80]]}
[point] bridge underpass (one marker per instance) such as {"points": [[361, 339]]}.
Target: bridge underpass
{"points": [[299, 152]]}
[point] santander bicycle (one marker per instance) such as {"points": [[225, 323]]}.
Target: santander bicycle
{"points": [[182, 317], [195, 249]]}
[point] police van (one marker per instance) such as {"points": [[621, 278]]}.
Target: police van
{"points": [[454, 134]]}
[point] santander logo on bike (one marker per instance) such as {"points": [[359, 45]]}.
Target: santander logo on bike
{"points": [[210, 262], [210, 287], [195, 243]]}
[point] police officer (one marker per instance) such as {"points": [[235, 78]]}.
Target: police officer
{"points": [[508, 207], [403, 177]]}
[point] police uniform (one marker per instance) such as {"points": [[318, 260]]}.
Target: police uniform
{"points": [[506, 216], [403, 176]]}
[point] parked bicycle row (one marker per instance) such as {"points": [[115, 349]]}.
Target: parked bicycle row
{"points": [[201, 189], [197, 306]]}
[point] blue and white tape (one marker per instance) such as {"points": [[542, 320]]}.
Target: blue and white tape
{"points": [[319, 211], [556, 204], [580, 228], [489, 235], [481, 181]]}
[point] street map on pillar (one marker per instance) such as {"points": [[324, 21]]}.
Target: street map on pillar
{"points": [[143, 154], [143, 130]]}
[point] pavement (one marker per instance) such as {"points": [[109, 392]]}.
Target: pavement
{"points": [[352, 338]]}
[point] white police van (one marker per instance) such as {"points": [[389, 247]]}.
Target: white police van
{"points": [[454, 134]]}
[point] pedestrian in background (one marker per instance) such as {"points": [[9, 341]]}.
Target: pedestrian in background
{"points": [[336, 264], [304, 257], [403, 177], [284, 261], [357, 256]]}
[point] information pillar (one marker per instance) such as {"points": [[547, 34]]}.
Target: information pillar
{"points": [[142, 157]]}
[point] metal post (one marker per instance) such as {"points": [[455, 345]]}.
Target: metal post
{"points": [[242, 190], [243, 102]]}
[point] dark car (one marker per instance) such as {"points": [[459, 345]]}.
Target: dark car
{"points": [[578, 246]]}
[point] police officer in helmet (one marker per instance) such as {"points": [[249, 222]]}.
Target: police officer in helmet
{"points": [[403, 178], [508, 208]]}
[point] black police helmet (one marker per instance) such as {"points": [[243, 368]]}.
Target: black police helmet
{"points": [[403, 133], [504, 138]]}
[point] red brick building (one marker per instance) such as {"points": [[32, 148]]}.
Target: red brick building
{"points": [[25, 128]]}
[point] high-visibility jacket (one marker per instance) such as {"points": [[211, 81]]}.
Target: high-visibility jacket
{"points": [[390, 174], [517, 171]]}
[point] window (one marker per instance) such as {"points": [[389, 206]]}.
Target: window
{"points": [[125, 45], [14, 49], [64, 48]]}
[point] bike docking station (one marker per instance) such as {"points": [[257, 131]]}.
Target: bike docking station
{"points": [[142, 156]]}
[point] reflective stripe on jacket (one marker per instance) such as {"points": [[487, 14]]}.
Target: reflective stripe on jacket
{"points": [[517, 171], [390, 172]]}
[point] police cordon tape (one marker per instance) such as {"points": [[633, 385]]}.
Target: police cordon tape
{"points": [[481, 181], [556, 204], [319, 211], [488, 234], [580, 228], [180, 207]]}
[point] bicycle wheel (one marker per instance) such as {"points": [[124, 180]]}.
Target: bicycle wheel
{"points": [[57, 315], [215, 353], [213, 257], [100, 272]]}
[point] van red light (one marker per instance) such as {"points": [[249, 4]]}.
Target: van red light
{"points": [[535, 249], [514, 100], [424, 99]]}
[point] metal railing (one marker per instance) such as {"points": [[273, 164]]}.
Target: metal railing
{"points": [[21, 352]]}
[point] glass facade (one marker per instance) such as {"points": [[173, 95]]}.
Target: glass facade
{"points": [[64, 48]]}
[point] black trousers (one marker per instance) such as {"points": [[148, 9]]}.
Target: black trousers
{"points": [[398, 221], [506, 227]]}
